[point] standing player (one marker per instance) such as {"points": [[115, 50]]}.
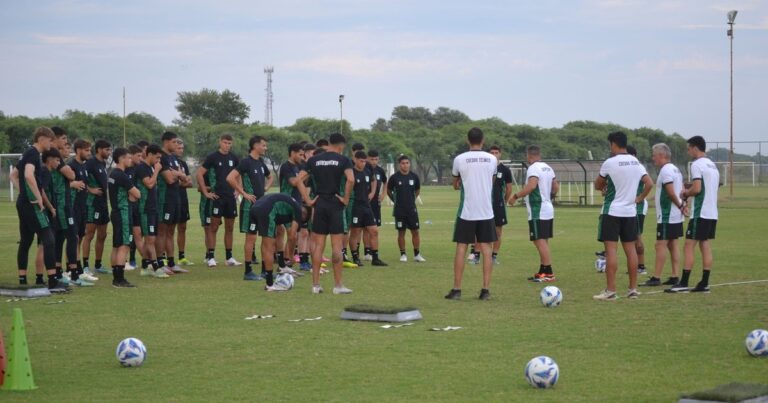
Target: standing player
{"points": [[304, 240], [147, 176], [669, 216], [168, 201], [251, 179], [703, 222], [185, 182], [362, 215], [218, 199], [332, 180], [97, 216], [79, 210], [619, 175], [288, 174], [502, 191], [121, 193], [403, 188], [642, 211], [473, 173], [378, 197], [540, 187]]}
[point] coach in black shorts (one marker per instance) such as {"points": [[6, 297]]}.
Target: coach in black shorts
{"points": [[330, 172]]}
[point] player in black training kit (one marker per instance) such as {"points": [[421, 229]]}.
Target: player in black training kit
{"points": [[217, 198], [403, 187], [79, 209], [362, 214], [267, 215], [122, 193], [168, 204], [185, 182], [97, 214], [378, 197], [146, 179], [288, 174], [251, 179], [332, 180]]}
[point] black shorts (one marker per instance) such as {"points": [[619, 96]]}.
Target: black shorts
{"points": [[362, 216], [205, 208], [183, 213], [148, 223], [31, 217], [135, 216], [701, 229], [540, 229], [263, 224], [408, 221], [376, 209], [469, 232], [640, 223], [613, 228], [169, 213], [667, 231], [500, 215], [121, 228], [97, 214], [329, 217], [78, 217], [225, 206]]}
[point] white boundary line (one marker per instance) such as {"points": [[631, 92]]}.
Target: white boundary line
{"points": [[713, 285]]}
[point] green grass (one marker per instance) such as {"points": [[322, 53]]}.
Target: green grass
{"points": [[201, 348]]}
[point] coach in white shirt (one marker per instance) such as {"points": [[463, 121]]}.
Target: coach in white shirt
{"points": [[619, 176], [473, 173]]}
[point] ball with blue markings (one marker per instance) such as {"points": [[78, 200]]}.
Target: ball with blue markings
{"points": [[542, 372], [131, 352], [757, 343], [551, 296]]}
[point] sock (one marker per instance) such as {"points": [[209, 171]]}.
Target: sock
{"points": [[686, 275], [367, 251], [79, 268], [171, 262], [181, 254], [248, 267], [374, 254], [59, 272], [355, 255], [484, 290], [705, 278], [304, 257], [98, 263], [118, 272], [154, 265], [542, 269], [144, 263], [85, 262], [402, 252], [209, 254], [132, 256], [548, 269], [472, 249], [22, 279], [281, 259], [655, 278], [228, 253], [115, 274], [52, 281], [39, 279], [270, 279], [160, 262], [494, 254], [73, 274], [415, 251], [641, 267], [344, 254]]}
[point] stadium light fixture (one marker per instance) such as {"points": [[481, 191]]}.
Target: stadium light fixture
{"points": [[341, 114]]}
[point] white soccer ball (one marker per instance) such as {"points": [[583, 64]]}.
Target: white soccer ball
{"points": [[600, 265], [757, 343], [551, 296], [542, 372], [131, 352], [284, 281]]}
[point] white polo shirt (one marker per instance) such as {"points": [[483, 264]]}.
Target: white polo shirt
{"points": [[622, 172], [476, 170], [539, 201], [666, 211], [705, 203]]}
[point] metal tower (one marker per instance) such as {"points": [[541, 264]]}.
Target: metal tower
{"points": [[268, 107]]}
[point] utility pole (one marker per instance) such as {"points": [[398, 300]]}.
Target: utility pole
{"points": [[341, 114], [270, 98], [731, 19], [125, 142]]}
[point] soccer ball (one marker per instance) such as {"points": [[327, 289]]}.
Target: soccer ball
{"points": [[284, 281], [131, 352], [551, 296], [757, 343], [600, 265], [542, 372]]}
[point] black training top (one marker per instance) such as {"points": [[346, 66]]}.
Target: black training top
{"points": [[279, 208], [326, 171], [500, 180], [363, 182], [219, 166], [254, 173], [81, 174], [120, 184], [404, 189], [287, 171], [31, 156], [97, 178], [183, 198], [148, 201], [168, 193], [381, 180]]}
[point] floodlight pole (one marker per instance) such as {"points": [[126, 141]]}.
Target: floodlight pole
{"points": [[341, 114], [731, 19], [124, 138]]}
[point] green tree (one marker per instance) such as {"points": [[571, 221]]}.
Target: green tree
{"points": [[319, 128], [217, 107]]}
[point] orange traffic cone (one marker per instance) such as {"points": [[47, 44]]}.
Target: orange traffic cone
{"points": [[18, 375]]}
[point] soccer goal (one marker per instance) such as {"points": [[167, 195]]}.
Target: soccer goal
{"points": [[7, 162], [743, 172]]}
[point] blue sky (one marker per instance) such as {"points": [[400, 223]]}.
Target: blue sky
{"points": [[661, 64]]}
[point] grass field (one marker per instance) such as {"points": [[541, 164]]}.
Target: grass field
{"points": [[201, 348]]}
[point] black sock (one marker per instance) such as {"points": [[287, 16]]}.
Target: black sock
{"points": [[367, 251], [73, 274], [228, 253], [494, 254], [684, 280], [98, 263], [59, 272], [248, 267], [705, 278], [22, 279], [355, 255], [375, 254], [118, 272], [144, 263], [171, 262], [304, 257], [281, 259], [641, 267], [472, 249], [85, 262], [209, 254], [132, 256], [402, 252], [181, 254], [52, 280], [39, 279], [79, 268], [548, 269], [542, 269], [269, 278], [160, 262], [415, 251], [154, 265]]}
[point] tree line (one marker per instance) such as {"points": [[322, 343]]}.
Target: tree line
{"points": [[430, 137]]}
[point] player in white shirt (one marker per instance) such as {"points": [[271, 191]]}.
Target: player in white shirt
{"points": [[703, 209], [540, 187], [619, 176], [473, 173], [669, 217]]}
